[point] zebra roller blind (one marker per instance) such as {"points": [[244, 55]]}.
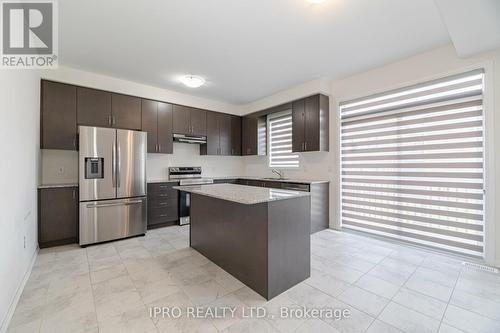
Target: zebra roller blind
{"points": [[412, 164], [280, 141]]}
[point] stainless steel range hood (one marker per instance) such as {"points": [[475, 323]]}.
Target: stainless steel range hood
{"points": [[190, 138]]}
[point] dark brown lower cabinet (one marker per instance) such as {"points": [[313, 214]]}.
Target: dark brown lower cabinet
{"points": [[320, 196], [57, 216], [163, 204]]}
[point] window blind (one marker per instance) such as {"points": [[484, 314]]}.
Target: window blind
{"points": [[412, 164], [280, 141]]}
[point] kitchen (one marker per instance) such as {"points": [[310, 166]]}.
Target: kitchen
{"points": [[307, 190]]}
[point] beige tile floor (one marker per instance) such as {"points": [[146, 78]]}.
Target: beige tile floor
{"points": [[387, 288]]}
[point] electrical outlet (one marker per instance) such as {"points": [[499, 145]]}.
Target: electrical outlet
{"points": [[60, 170]]}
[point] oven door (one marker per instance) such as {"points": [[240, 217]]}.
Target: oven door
{"points": [[184, 203]]}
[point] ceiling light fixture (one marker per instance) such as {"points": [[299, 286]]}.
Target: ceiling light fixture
{"points": [[192, 81], [315, 1]]}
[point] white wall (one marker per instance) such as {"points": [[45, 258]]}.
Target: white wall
{"points": [[184, 155], [19, 133], [436, 63], [98, 81]]}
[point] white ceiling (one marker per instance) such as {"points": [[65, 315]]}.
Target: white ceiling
{"points": [[474, 26], [246, 49]]}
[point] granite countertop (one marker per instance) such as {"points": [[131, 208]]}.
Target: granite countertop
{"points": [[248, 195], [42, 186], [270, 179], [152, 181]]}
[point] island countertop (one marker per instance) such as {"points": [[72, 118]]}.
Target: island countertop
{"points": [[248, 195]]}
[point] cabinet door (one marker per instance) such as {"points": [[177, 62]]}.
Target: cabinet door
{"points": [[58, 216], [312, 124], [165, 135], [58, 129], [250, 136], [298, 125], [213, 134], [150, 123], [93, 107], [225, 134], [181, 116], [235, 135], [126, 112], [198, 122]]}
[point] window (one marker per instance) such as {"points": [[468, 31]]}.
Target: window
{"points": [[280, 141], [412, 164]]}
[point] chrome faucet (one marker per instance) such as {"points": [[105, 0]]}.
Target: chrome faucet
{"points": [[281, 174]]}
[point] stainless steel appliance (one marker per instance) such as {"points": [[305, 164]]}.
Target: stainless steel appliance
{"points": [[187, 176], [190, 138], [112, 181]]}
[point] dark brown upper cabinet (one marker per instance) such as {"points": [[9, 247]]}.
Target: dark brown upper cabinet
{"points": [[181, 119], [105, 109], [189, 121], [150, 123], [165, 133], [218, 135], [125, 112], [93, 107], [198, 122], [157, 122], [58, 116], [225, 134], [57, 226], [254, 136], [310, 124], [298, 125], [235, 136]]}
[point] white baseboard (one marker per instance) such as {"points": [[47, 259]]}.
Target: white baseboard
{"points": [[17, 296]]}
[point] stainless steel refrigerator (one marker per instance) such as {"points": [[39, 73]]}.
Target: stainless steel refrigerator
{"points": [[112, 182]]}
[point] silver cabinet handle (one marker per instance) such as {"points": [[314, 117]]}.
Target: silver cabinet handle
{"points": [[118, 167], [305, 145], [109, 120], [114, 120], [159, 147], [128, 203]]}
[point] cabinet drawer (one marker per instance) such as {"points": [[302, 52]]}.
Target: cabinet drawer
{"points": [[161, 215], [163, 202], [161, 187]]}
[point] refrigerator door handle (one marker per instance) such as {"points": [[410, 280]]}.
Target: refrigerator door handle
{"points": [[113, 164], [118, 166], [135, 202]]}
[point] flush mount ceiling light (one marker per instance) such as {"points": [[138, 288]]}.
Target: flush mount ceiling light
{"points": [[192, 81], [316, 1]]}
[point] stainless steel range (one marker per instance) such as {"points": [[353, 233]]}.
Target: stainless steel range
{"points": [[187, 176]]}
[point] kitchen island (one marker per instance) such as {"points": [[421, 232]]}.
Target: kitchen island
{"points": [[259, 235]]}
